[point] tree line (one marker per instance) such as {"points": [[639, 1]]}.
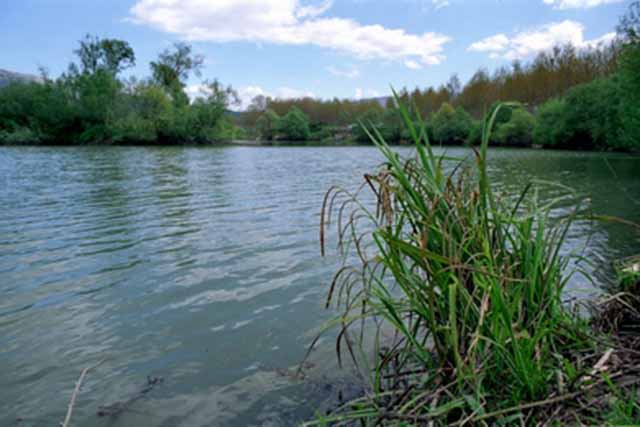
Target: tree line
{"points": [[92, 103], [568, 97]]}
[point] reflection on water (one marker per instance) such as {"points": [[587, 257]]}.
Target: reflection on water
{"points": [[201, 265]]}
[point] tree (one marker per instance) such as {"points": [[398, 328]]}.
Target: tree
{"points": [[111, 55], [268, 125], [629, 25], [451, 126], [173, 68], [454, 87], [551, 128], [630, 78], [140, 115], [593, 114], [258, 103], [207, 112], [367, 121], [518, 131], [630, 98], [295, 125]]}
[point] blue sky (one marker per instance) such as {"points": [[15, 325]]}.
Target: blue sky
{"points": [[324, 48]]}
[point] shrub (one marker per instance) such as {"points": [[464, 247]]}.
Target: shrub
{"points": [[451, 126], [518, 131], [630, 96], [550, 129], [475, 135], [294, 126], [268, 124], [592, 115], [19, 136], [370, 119]]}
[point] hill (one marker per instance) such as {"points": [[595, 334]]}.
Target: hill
{"points": [[7, 77]]}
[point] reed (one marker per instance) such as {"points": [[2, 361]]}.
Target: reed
{"points": [[459, 288]]}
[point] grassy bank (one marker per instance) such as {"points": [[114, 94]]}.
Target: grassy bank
{"points": [[463, 290]]}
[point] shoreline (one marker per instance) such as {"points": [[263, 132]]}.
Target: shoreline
{"points": [[312, 143]]}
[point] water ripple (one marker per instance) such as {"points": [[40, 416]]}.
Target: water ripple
{"points": [[201, 265]]}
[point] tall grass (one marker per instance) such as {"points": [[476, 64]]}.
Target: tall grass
{"points": [[460, 288]]}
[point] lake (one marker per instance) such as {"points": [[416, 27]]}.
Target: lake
{"points": [[201, 266]]}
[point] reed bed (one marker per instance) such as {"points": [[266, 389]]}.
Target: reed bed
{"points": [[451, 303]]}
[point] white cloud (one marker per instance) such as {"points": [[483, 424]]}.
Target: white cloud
{"points": [[439, 4], [290, 93], [412, 65], [527, 43], [313, 11], [350, 73], [491, 44], [288, 22], [578, 4], [247, 93], [365, 94], [196, 91]]}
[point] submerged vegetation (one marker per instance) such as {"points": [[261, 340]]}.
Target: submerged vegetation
{"points": [[463, 290]]}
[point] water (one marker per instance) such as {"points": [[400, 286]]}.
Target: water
{"points": [[201, 266]]}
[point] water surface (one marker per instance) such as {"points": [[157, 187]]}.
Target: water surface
{"points": [[201, 266]]}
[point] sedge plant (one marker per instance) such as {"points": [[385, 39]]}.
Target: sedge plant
{"points": [[461, 289]]}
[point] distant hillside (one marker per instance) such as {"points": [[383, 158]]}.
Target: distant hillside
{"points": [[7, 77]]}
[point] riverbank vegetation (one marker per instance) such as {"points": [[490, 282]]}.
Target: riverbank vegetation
{"points": [[92, 104], [570, 97], [463, 291]]}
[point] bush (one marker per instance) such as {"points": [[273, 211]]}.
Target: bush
{"points": [[518, 131], [138, 116], [475, 135], [593, 115], [294, 126], [267, 125], [19, 136], [630, 97], [451, 126], [550, 129], [368, 120]]}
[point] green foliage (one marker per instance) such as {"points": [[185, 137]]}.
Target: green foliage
{"points": [[468, 284], [294, 126], [268, 125], [475, 135], [173, 68], [451, 126], [518, 130], [629, 26], [550, 129], [367, 120], [19, 136], [630, 95], [138, 115], [89, 104], [110, 55], [391, 127], [592, 115]]}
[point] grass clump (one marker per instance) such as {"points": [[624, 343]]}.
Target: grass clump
{"points": [[462, 291]]}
